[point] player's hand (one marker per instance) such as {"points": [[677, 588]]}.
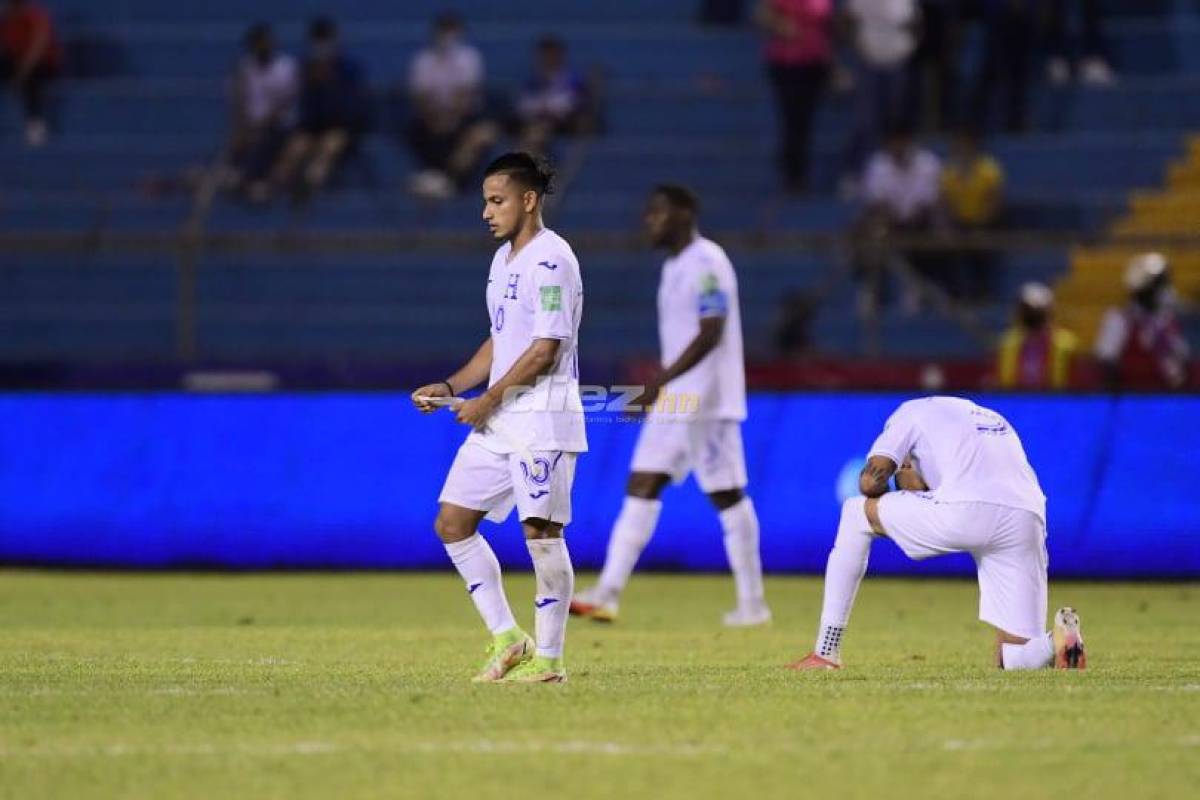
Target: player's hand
{"points": [[645, 401], [438, 389], [476, 411], [909, 480]]}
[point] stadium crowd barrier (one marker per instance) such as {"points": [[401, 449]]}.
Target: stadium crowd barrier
{"points": [[351, 481]]}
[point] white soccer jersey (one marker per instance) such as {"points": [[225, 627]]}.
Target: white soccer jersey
{"points": [[538, 295], [965, 453], [697, 283]]}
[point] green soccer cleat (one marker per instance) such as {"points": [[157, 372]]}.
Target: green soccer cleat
{"points": [[507, 650], [538, 669]]}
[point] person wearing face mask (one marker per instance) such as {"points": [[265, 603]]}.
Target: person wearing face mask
{"points": [[1142, 342], [448, 132], [1035, 353]]}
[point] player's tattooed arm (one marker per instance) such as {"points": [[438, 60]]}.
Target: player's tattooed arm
{"points": [[711, 330], [873, 480], [537, 359]]}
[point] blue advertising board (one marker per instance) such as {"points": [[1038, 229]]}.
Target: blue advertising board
{"points": [[351, 481]]}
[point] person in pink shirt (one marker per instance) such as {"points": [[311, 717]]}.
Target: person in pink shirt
{"points": [[799, 52]]}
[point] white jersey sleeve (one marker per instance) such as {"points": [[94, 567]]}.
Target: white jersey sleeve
{"points": [[555, 288], [899, 436]]}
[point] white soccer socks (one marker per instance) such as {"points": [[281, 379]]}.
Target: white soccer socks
{"points": [[844, 572], [630, 535], [1038, 652], [740, 523], [476, 563], [555, 585]]}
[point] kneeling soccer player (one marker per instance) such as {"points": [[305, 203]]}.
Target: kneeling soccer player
{"points": [[966, 487], [523, 449]]}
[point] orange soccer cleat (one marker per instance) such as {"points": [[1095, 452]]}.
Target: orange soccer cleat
{"points": [[814, 661]]}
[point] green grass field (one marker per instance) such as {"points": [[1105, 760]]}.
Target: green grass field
{"points": [[350, 685]]}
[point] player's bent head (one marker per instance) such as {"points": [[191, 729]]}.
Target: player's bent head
{"points": [[527, 171], [671, 213], [513, 187]]}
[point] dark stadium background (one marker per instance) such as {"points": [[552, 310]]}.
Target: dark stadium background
{"points": [[161, 339]]}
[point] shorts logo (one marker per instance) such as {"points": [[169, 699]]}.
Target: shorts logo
{"points": [[538, 475], [551, 298]]}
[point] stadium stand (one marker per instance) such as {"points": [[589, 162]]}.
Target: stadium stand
{"points": [[146, 100]]}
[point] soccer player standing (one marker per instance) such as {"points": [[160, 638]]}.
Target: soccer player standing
{"points": [[696, 405], [528, 424], [965, 487]]}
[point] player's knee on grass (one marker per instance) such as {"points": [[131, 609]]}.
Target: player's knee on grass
{"points": [[726, 498], [646, 485], [537, 528]]}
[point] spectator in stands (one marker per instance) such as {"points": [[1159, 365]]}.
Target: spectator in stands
{"points": [[972, 192], [333, 112], [884, 35], [1004, 71], [265, 89], [1093, 67], [30, 57], [554, 101], [1035, 353], [1142, 343], [799, 53], [448, 133], [902, 183], [902, 193]]}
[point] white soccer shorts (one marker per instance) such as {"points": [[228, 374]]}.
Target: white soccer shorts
{"points": [[1008, 545], [495, 482], [710, 448]]}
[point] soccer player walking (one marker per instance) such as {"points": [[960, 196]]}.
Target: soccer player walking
{"points": [[965, 487], [695, 405], [528, 424]]}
